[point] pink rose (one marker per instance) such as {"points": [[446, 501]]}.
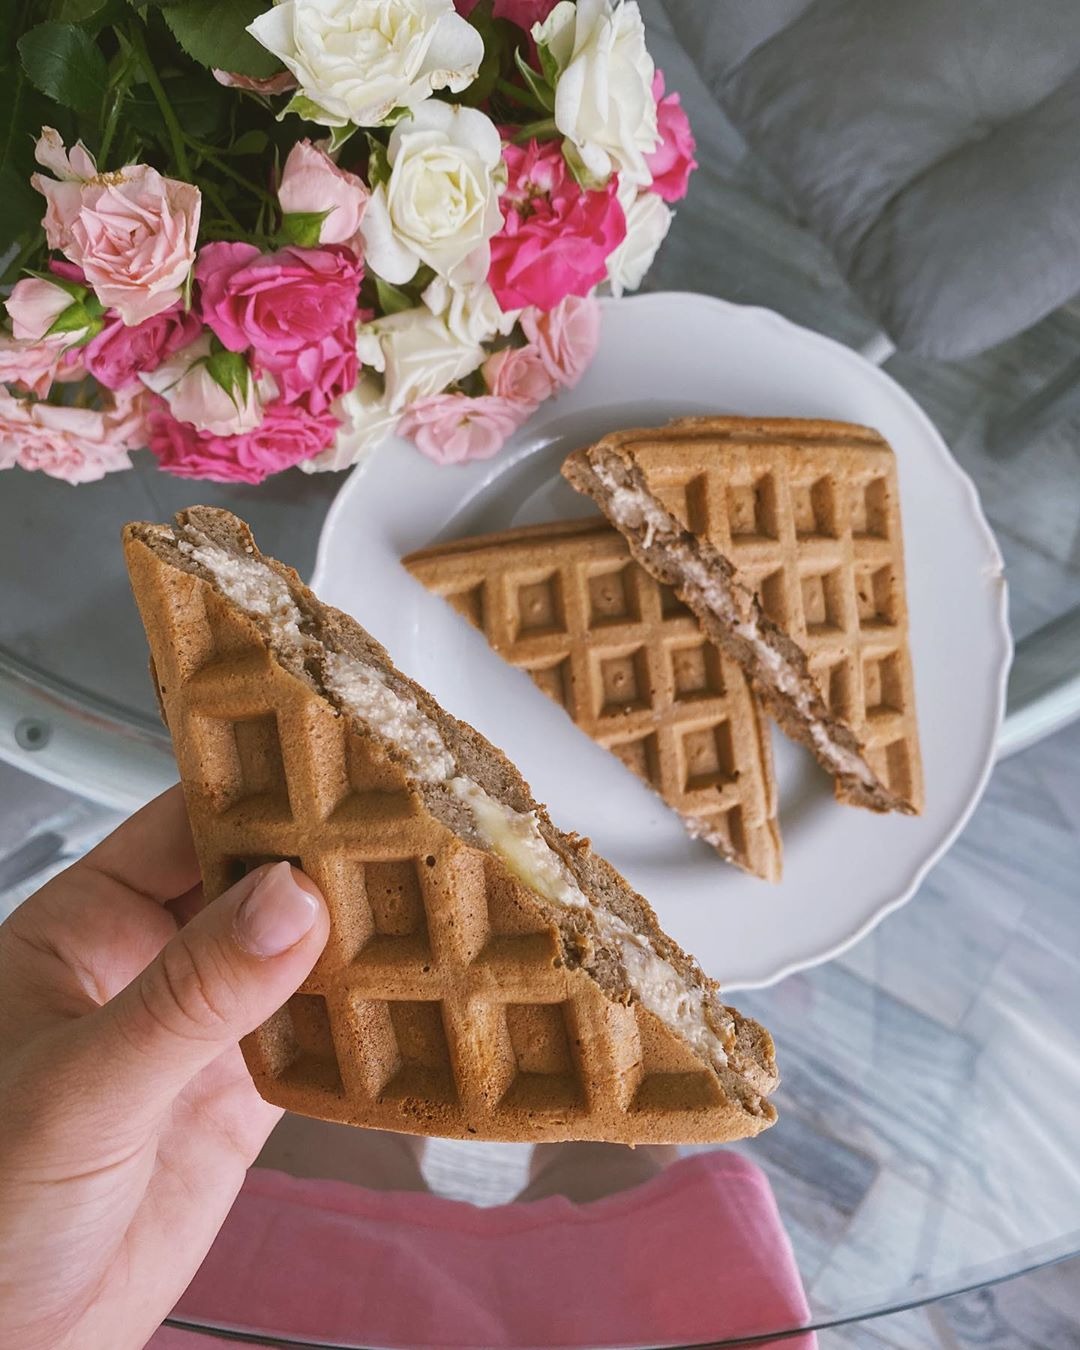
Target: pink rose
{"points": [[132, 232], [313, 183], [319, 373], [522, 12], [272, 84], [34, 305], [121, 353], [278, 303], [79, 445], [453, 428], [287, 434], [565, 337], [672, 162], [556, 235], [72, 165], [518, 374], [214, 391], [29, 365]]}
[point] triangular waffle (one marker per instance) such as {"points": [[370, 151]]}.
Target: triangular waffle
{"points": [[783, 536], [486, 975], [627, 661]]}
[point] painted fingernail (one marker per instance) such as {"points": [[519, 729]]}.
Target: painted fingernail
{"points": [[276, 915]]}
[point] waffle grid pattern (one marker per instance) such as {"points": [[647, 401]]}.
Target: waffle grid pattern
{"points": [[811, 522], [440, 1004], [627, 661]]}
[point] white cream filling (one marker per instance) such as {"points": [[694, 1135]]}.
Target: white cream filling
{"points": [[697, 828], [634, 507], [250, 585], [514, 836], [364, 692]]}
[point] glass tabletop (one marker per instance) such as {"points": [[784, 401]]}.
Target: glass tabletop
{"points": [[929, 1119], [68, 610], [929, 1113]]}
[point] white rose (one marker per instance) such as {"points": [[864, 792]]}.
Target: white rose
{"points": [[648, 219], [366, 421], [358, 60], [214, 393], [417, 353], [470, 312], [440, 205], [603, 90]]}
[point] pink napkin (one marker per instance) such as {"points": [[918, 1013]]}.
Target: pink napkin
{"points": [[698, 1253]]}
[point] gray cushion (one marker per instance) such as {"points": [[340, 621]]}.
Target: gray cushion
{"points": [[933, 146]]}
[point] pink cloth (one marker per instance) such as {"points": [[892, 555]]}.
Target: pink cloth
{"points": [[695, 1254]]}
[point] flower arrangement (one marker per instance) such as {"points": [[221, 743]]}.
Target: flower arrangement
{"points": [[248, 236]]}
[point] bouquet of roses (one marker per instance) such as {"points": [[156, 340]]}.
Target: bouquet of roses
{"points": [[248, 235]]}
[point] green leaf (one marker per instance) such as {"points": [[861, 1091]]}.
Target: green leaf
{"points": [[540, 89], [65, 63], [92, 15], [304, 107], [250, 143], [23, 112], [73, 320], [588, 180], [339, 136], [86, 319], [230, 370], [201, 107], [378, 171], [303, 227], [212, 32], [392, 300], [549, 66], [76, 11]]}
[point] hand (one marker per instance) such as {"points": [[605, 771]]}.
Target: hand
{"points": [[127, 1117]]}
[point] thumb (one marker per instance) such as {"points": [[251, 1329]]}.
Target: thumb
{"points": [[222, 975]]}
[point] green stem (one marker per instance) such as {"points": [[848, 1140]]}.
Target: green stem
{"points": [[176, 135], [215, 196], [119, 93], [222, 232], [516, 94], [109, 130], [544, 128], [211, 158], [16, 100]]}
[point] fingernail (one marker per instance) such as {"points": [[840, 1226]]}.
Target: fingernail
{"points": [[276, 915]]}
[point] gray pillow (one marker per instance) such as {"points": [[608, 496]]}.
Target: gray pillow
{"points": [[933, 146]]}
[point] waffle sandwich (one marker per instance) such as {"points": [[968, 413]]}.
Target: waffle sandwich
{"points": [[487, 976], [783, 537], [627, 661]]}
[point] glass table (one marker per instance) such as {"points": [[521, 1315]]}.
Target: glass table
{"points": [[929, 1131]]}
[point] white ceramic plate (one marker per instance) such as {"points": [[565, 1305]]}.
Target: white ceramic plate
{"points": [[660, 356]]}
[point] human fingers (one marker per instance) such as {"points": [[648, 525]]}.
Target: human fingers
{"points": [[222, 975]]}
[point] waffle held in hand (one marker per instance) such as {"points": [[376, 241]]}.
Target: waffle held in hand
{"points": [[487, 976]]}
